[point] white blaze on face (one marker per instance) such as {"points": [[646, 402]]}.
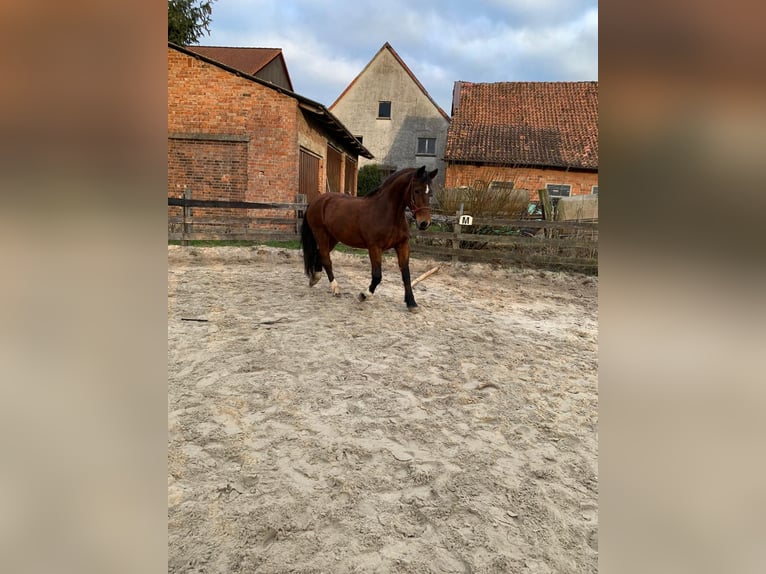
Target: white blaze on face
{"points": [[428, 189]]}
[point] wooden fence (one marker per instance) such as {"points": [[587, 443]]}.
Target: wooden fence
{"points": [[530, 242], [280, 221]]}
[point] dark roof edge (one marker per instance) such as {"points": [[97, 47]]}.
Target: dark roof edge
{"points": [[310, 105], [519, 164]]}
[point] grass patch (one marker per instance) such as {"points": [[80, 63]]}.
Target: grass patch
{"points": [[215, 243], [290, 244]]}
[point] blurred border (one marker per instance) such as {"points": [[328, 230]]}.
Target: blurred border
{"points": [[683, 128], [83, 331], [83, 416]]}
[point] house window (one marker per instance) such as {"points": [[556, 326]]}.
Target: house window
{"points": [[426, 146], [501, 185], [556, 191], [384, 110], [594, 190]]}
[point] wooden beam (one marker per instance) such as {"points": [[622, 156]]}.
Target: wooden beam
{"points": [[425, 275]]}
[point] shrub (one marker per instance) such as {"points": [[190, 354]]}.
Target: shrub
{"points": [[483, 200], [368, 179]]}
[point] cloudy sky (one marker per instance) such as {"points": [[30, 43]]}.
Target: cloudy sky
{"points": [[326, 43]]}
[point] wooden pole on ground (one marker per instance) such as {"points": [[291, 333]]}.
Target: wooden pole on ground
{"points": [[425, 275]]}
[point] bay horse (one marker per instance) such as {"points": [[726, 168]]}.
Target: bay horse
{"points": [[375, 222]]}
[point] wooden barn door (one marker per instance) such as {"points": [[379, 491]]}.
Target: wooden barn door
{"points": [[308, 176], [334, 161], [350, 180]]}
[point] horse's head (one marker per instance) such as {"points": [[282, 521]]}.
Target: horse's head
{"points": [[420, 196]]}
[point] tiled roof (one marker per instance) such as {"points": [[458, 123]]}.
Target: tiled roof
{"points": [[248, 60], [553, 124]]}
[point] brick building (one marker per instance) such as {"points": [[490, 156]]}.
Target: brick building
{"points": [[525, 135], [237, 137]]}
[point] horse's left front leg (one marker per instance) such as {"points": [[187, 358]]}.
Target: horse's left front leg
{"points": [[403, 253], [376, 263]]}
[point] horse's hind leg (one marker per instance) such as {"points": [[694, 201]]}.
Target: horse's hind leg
{"points": [[316, 268], [376, 260], [325, 246]]}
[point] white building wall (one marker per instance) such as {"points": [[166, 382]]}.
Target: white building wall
{"points": [[413, 115]]}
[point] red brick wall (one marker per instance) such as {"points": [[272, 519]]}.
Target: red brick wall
{"points": [[211, 169], [204, 99], [529, 178]]}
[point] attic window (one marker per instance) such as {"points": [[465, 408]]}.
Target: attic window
{"points": [[426, 146], [384, 110]]}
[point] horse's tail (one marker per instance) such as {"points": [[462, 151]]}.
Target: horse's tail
{"points": [[310, 249]]}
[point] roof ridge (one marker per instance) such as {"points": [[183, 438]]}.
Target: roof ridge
{"points": [[235, 47], [390, 48]]}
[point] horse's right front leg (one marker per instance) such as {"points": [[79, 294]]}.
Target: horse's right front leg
{"points": [[376, 264]]}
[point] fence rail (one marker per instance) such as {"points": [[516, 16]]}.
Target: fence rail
{"points": [[564, 244]]}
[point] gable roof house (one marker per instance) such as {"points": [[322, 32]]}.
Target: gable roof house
{"points": [[264, 63], [234, 136], [394, 116], [525, 135]]}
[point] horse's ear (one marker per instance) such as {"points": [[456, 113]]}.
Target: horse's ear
{"points": [[421, 171], [433, 173]]}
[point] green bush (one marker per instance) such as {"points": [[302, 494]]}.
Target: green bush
{"points": [[368, 179]]}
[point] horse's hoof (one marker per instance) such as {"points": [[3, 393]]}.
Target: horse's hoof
{"points": [[314, 279], [362, 297], [413, 309]]}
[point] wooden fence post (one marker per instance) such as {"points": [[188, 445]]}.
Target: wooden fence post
{"points": [[545, 199], [187, 218], [456, 240], [300, 214]]}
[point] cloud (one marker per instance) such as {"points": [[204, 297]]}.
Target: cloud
{"points": [[326, 44]]}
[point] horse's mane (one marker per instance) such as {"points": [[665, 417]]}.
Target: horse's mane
{"points": [[389, 180]]}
